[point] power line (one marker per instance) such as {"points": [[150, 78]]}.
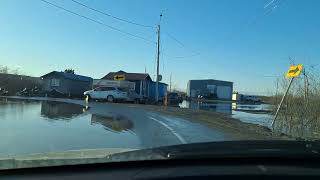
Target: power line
{"points": [[182, 45], [98, 22], [175, 39], [180, 57], [107, 14]]}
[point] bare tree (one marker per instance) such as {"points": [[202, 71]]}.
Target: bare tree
{"points": [[4, 69]]}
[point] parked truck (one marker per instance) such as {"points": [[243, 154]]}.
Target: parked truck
{"points": [[111, 91]]}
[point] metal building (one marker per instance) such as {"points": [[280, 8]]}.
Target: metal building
{"points": [[210, 89]]}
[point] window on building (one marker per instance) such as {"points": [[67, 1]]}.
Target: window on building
{"points": [[55, 82]]}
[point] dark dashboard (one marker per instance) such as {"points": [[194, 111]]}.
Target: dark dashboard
{"points": [[219, 160], [223, 168]]}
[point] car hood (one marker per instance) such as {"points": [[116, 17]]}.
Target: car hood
{"points": [[87, 92], [226, 149], [72, 157]]}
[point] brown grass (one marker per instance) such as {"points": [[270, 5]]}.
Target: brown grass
{"points": [[300, 113]]}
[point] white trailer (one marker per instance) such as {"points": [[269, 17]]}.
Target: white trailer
{"points": [[111, 83]]}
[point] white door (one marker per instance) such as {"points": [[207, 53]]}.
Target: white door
{"points": [[107, 91], [96, 93]]}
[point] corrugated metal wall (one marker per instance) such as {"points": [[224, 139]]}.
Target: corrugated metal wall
{"points": [[212, 89]]}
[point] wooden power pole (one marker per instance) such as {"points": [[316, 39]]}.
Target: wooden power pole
{"points": [[158, 60]]}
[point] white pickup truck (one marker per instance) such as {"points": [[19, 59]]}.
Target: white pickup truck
{"points": [[111, 94]]}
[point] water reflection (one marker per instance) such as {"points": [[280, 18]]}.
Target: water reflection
{"points": [[112, 123], [255, 107], [215, 106], [27, 128], [60, 111]]}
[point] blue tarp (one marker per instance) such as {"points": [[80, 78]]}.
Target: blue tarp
{"points": [[162, 90]]}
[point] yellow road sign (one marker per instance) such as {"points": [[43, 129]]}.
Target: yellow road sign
{"points": [[120, 77], [294, 70]]}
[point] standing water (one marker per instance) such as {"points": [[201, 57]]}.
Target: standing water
{"points": [[35, 127]]}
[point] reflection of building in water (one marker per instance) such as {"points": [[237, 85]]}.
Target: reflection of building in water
{"points": [[216, 107], [60, 111], [234, 106], [115, 123]]}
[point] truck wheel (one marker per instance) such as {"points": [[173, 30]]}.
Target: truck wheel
{"points": [[87, 98], [110, 99]]}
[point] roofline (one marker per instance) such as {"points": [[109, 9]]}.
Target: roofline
{"points": [[65, 77], [147, 74], [48, 74], [210, 80]]}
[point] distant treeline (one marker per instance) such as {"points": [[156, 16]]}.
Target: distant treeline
{"points": [[11, 81]]}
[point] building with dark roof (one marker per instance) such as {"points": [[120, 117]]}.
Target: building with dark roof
{"points": [[66, 83], [142, 81]]}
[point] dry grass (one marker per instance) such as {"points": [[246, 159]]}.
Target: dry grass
{"points": [[300, 114]]}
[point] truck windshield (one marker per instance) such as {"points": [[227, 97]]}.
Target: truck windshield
{"points": [[122, 89], [169, 72]]}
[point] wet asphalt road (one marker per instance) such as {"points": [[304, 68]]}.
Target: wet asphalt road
{"points": [[154, 129], [66, 126]]}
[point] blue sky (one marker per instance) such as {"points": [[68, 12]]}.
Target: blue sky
{"points": [[235, 40]]}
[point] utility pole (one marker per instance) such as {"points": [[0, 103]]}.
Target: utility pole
{"points": [[280, 104], [170, 82], [277, 90], [306, 84], [158, 59]]}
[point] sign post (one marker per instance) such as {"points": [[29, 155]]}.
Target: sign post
{"points": [[293, 72]]}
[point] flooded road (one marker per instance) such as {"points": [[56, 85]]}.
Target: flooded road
{"points": [[44, 126], [244, 112], [31, 127]]}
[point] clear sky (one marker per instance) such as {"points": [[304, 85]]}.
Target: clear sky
{"points": [[236, 40]]}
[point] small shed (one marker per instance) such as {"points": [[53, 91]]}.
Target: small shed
{"points": [[210, 89], [66, 83]]}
